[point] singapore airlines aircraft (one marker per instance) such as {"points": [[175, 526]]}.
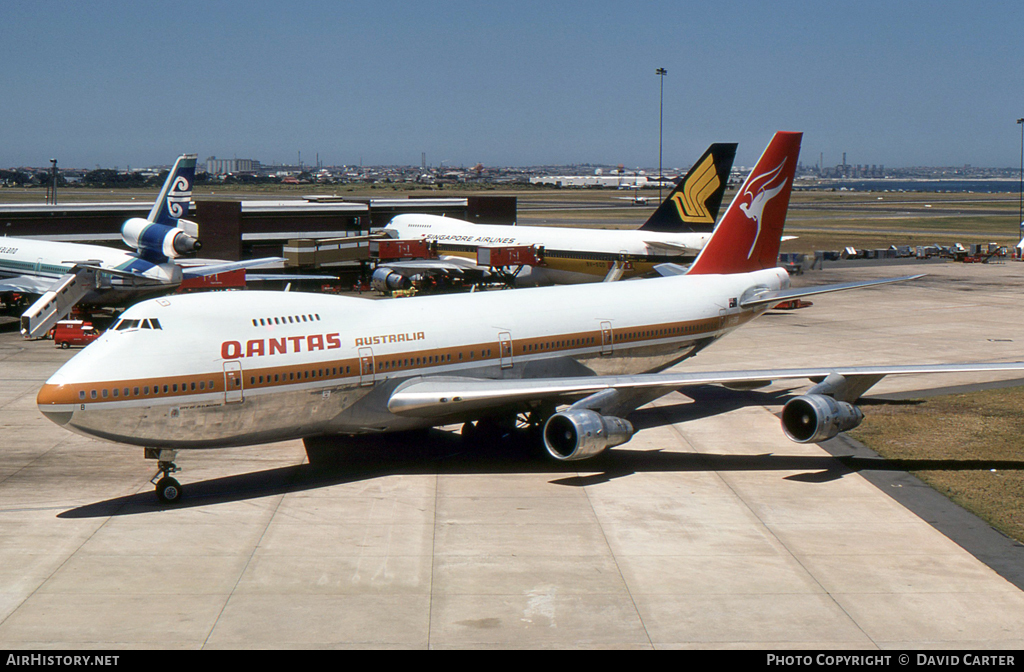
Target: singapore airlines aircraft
{"points": [[674, 233], [68, 273], [239, 368]]}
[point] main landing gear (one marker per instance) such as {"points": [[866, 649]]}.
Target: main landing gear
{"points": [[168, 490]]}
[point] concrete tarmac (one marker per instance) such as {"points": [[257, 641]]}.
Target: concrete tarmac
{"points": [[709, 529]]}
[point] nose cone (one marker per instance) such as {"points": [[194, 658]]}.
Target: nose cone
{"points": [[56, 400]]}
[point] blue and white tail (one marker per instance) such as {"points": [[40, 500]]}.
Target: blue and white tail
{"points": [[165, 233], [173, 202]]}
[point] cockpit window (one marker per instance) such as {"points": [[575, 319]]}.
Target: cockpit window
{"points": [[151, 323]]}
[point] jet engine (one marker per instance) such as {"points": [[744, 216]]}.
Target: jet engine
{"points": [[385, 280], [576, 434], [811, 418], [160, 240]]}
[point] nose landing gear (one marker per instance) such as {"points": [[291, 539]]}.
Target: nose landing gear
{"points": [[168, 490]]}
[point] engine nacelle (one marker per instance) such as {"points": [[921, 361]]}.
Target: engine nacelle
{"points": [[811, 418], [577, 434], [385, 280], [159, 239]]}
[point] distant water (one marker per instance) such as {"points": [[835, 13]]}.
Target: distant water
{"points": [[954, 186]]}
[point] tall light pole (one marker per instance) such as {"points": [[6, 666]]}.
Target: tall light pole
{"points": [[1020, 217], [53, 180], [660, 72]]}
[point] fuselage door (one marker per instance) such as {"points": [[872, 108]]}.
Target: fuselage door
{"points": [[505, 348], [232, 382], [366, 366], [606, 338]]}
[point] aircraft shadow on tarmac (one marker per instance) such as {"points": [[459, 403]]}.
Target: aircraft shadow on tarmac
{"points": [[354, 459]]}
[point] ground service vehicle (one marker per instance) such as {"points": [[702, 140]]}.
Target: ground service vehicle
{"points": [[74, 332]]}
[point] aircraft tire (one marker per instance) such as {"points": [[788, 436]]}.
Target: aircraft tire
{"points": [[168, 490]]}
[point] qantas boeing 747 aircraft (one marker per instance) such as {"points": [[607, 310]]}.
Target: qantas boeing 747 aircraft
{"points": [[240, 368]]}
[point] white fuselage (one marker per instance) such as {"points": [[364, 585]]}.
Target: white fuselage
{"points": [[571, 255], [212, 370], [49, 260]]}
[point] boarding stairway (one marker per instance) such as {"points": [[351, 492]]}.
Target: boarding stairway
{"points": [[55, 304]]}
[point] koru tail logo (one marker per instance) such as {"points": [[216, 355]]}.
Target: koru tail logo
{"points": [[179, 197], [690, 202], [762, 189]]}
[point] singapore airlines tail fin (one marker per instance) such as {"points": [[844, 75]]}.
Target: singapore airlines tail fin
{"points": [[747, 239], [693, 205]]}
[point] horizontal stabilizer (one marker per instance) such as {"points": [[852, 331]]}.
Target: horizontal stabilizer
{"points": [[761, 298], [666, 247]]}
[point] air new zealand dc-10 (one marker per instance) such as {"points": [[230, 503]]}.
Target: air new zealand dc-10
{"points": [[64, 274], [240, 368]]}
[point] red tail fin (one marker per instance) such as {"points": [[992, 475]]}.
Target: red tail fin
{"points": [[747, 238]]}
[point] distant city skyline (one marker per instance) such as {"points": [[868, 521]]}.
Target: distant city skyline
{"points": [[116, 83]]}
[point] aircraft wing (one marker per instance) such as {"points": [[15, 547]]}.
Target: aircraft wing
{"points": [[456, 265], [440, 397], [213, 268], [27, 284], [269, 277], [135, 277]]}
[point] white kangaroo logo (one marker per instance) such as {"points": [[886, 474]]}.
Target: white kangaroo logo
{"points": [[760, 198]]}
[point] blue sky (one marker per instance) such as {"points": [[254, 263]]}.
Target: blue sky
{"points": [[515, 83]]}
